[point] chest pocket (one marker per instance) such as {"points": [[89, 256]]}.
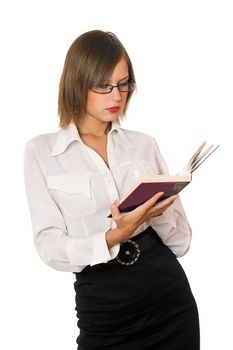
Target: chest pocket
{"points": [[73, 195]]}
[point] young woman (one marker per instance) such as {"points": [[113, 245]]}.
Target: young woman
{"points": [[131, 292]]}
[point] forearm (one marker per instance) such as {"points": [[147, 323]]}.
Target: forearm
{"points": [[114, 236], [117, 235]]}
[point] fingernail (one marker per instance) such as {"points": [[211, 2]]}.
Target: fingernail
{"points": [[159, 194]]}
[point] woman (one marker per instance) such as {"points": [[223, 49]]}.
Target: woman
{"points": [[131, 292]]}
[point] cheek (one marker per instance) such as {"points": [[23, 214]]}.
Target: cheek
{"points": [[93, 101], [124, 99]]}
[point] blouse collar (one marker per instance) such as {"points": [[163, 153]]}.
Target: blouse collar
{"points": [[66, 136]]}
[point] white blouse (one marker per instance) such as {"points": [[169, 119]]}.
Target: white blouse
{"points": [[70, 189]]}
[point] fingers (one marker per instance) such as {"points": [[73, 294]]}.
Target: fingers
{"points": [[153, 207], [163, 205], [151, 202], [150, 208], [114, 210], [167, 202]]}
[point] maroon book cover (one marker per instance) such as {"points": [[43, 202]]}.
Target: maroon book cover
{"points": [[146, 190]]}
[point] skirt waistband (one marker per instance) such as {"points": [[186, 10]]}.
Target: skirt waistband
{"points": [[132, 250]]}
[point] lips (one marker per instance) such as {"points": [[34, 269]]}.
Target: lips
{"points": [[113, 109]]}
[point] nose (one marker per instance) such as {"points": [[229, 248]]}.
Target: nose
{"points": [[116, 94]]}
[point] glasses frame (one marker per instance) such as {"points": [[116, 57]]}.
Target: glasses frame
{"points": [[111, 87]]}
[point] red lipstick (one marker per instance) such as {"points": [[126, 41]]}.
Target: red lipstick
{"points": [[113, 109]]}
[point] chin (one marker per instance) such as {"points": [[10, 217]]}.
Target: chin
{"points": [[112, 119]]}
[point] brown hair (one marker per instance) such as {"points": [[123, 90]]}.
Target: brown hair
{"points": [[89, 62]]}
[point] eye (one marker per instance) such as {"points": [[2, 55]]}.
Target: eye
{"points": [[123, 83], [104, 86]]}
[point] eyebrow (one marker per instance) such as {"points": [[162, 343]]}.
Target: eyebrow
{"points": [[127, 77]]}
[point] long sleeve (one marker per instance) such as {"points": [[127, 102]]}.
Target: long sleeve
{"points": [[54, 244], [173, 226]]}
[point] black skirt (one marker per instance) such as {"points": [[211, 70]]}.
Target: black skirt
{"points": [[147, 305]]}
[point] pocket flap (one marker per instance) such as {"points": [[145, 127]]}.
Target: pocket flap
{"points": [[69, 184]]}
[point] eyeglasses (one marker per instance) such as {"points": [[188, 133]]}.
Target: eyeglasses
{"points": [[124, 86]]}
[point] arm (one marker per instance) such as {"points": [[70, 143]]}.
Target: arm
{"points": [[52, 240], [172, 227], [127, 223]]}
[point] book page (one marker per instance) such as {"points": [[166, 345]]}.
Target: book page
{"points": [[188, 167], [196, 155], [204, 156], [198, 158]]}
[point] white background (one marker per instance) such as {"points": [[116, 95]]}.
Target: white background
{"points": [[183, 59]]}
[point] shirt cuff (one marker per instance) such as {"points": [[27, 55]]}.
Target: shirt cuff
{"points": [[101, 252]]}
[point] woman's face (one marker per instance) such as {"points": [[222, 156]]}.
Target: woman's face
{"points": [[109, 107]]}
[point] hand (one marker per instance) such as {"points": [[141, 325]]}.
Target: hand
{"points": [[127, 223]]}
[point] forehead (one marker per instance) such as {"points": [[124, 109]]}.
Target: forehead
{"points": [[120, 71]]}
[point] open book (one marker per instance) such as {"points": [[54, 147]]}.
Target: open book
{"points": [[149, 185]]}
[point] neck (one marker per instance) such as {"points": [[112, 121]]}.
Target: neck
{"points": [[97, 129]]}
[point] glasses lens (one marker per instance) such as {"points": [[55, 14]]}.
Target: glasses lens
{"points": [[102, 89], [131, 85], [125, 86]]}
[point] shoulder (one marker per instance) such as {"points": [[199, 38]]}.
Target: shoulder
{"points": [[137, 137], [41, 142]]}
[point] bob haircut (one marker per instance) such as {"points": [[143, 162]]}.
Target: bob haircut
{"points": [[89, 62]]}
